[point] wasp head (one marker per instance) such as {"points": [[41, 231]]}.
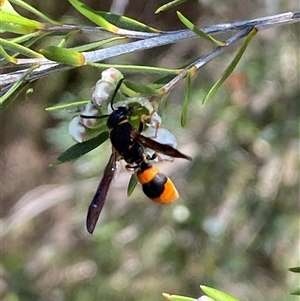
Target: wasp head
{"points": [[119, 115]]}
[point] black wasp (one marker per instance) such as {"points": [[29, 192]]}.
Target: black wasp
{"points": [[129, 144]]}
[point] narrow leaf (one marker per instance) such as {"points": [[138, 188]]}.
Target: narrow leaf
{"points": [[295, 291], [186, 101], [16, 88], [96, 45], [231, 67], [198, 31], [93, 16], [34, 11], [7, 7], [126, 23], [177, 297], [137, 68], [25, 37], [67, 105], [132, 184], [18, 20], [295, 269], [63, 55], [14, 28], [216, 294], [19, 49], [169, 5], [67, 36], [140, 88], [81, 149], [7, 57]]}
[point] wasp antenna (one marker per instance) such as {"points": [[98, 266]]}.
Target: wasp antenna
{"points": [[93, 117], [115, 92]]}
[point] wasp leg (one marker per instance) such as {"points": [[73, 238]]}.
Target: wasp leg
{"points": [[144, 119]]}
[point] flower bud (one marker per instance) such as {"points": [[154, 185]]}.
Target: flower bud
{"points": [[101, 92], [111, 75]]}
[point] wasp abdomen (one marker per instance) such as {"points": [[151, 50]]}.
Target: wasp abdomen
{"points": [[156, 186]]}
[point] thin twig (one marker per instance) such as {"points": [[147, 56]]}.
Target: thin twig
{"points": [[146, 41], [205, 59]]}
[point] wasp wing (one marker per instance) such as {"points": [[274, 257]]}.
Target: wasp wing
{"points": [[159, 147], [98, 200]]}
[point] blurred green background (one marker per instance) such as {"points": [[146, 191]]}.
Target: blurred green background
{"points": [[236, 225]]}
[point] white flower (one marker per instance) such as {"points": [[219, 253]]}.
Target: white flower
{"points": [[90, 110], [76, 129], [163, 136]]}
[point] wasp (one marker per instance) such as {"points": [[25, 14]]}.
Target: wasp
{"points": [[130, 145]]}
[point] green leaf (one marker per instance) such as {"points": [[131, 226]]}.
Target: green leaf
{"points": [[81, 149], [295, 269], [109, 21], [198, 31], [186, 101], [15, 90], [65, 106], [93, 16], [9, 21], [231, 67], [29, 39], [138, 68], [177, 298], [19, 49], [295, 291], [10, 27], [169, 5], [132, 184], [7, 57], [126, 23], [25, 37], [68, 36], [63, 55], [34, 11], [216, 294], [140, 88], [164, 80], [7, 7], [96, 45]]}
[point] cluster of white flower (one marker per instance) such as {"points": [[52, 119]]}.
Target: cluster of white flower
{"points": [[82, 128]]}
